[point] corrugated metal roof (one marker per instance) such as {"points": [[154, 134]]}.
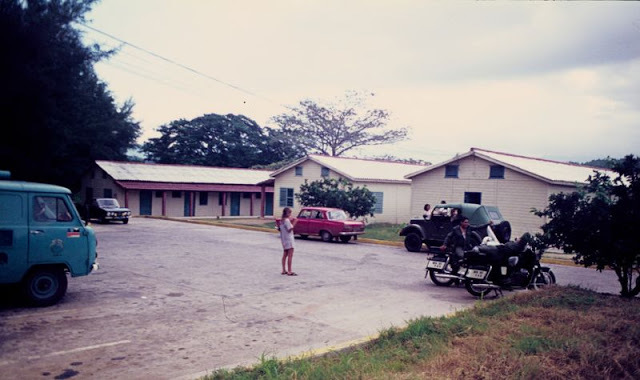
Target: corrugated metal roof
{"points": [[170, 186], [357, 169], [552, 170], [136, 171], [546, 170]]}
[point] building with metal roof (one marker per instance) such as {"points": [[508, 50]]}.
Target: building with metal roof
{"points": [[514, 183], [181, 190], [386, 179]]}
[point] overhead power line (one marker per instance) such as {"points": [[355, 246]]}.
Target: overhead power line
{"points": [[185, 67]]}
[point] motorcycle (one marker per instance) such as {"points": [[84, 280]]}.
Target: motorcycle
{"points": [[509, 266], [443, 270]]}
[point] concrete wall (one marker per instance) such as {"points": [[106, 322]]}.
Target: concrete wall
{"points": [[396, 198], [98, 180], [515, 194]]}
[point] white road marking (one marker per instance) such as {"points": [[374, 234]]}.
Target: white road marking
{"points": [[80, 349]]}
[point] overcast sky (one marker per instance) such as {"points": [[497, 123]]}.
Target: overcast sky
{"points": [[550, 80]]}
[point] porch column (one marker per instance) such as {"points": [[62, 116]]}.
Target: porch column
{"points": [[126, 198], [253, 197], [164, 203], [192, 203], [262, 200], [224, 202]]}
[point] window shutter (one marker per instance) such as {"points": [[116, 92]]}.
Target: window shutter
{"points": [[283, 197]]}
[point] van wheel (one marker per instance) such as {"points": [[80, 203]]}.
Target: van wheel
{"points": [[326, 236], [45, 286]]}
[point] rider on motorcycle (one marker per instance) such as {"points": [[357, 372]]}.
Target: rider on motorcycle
{"points": [[462, 238]]}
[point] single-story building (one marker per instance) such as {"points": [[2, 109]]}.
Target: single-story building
{"points": [[514, 183], [180, 190], [384, 178]]}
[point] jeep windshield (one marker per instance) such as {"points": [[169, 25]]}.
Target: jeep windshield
{"points": [[108, 203], [337, 215]]}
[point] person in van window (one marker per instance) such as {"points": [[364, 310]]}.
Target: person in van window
{"points": [[63, 215], [41, 211]]}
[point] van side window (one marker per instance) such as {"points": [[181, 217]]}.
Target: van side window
{"points": [[50, 209], [11, 210]]}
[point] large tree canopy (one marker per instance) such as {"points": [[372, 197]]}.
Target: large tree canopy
{"points": [[334, 129], [58, 116], [218, 140], [339, 193], [600, 223]]}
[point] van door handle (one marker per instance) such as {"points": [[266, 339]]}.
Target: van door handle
{"points": [[36, 232]]}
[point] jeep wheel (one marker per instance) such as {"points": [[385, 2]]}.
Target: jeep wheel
{"points": [[413, 242], [326, 236], [45, 286], [345, 239]]}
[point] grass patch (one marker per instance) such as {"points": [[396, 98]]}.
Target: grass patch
{"points": [[555, 333], [383, 231], [378, 231]]}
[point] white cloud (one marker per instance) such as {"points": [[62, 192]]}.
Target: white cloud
{"points": [[557, 80]]}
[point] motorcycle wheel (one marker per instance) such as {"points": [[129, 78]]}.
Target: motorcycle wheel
{"points": [[438, 281], [475, 291], [544, 279]]}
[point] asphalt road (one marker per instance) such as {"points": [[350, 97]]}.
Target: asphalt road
{"points": [[175, 300]]}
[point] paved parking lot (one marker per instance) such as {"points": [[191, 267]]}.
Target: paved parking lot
{"points": [[174, 300]]}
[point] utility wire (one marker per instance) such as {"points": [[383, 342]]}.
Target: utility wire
{"points": [[144, 68], [185, 67]]}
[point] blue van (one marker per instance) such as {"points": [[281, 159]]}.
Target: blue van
{"points": [[42, 239]]}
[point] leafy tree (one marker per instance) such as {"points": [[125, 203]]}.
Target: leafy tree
{"points": [[388, 157], [605, 163], [334, 129], [218, 140], [339, 193], [600, 223], [61, 116]]}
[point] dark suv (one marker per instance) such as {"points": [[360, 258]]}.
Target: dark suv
{"points": [[107, 209], [432, 231]]}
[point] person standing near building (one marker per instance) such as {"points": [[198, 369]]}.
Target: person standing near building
{"points": [[286, 237]]}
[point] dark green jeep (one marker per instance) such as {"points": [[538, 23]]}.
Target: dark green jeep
{"points": [[432, 231], [42, 238]]}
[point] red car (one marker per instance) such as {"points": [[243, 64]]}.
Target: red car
{"points": [[328, 223]]}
